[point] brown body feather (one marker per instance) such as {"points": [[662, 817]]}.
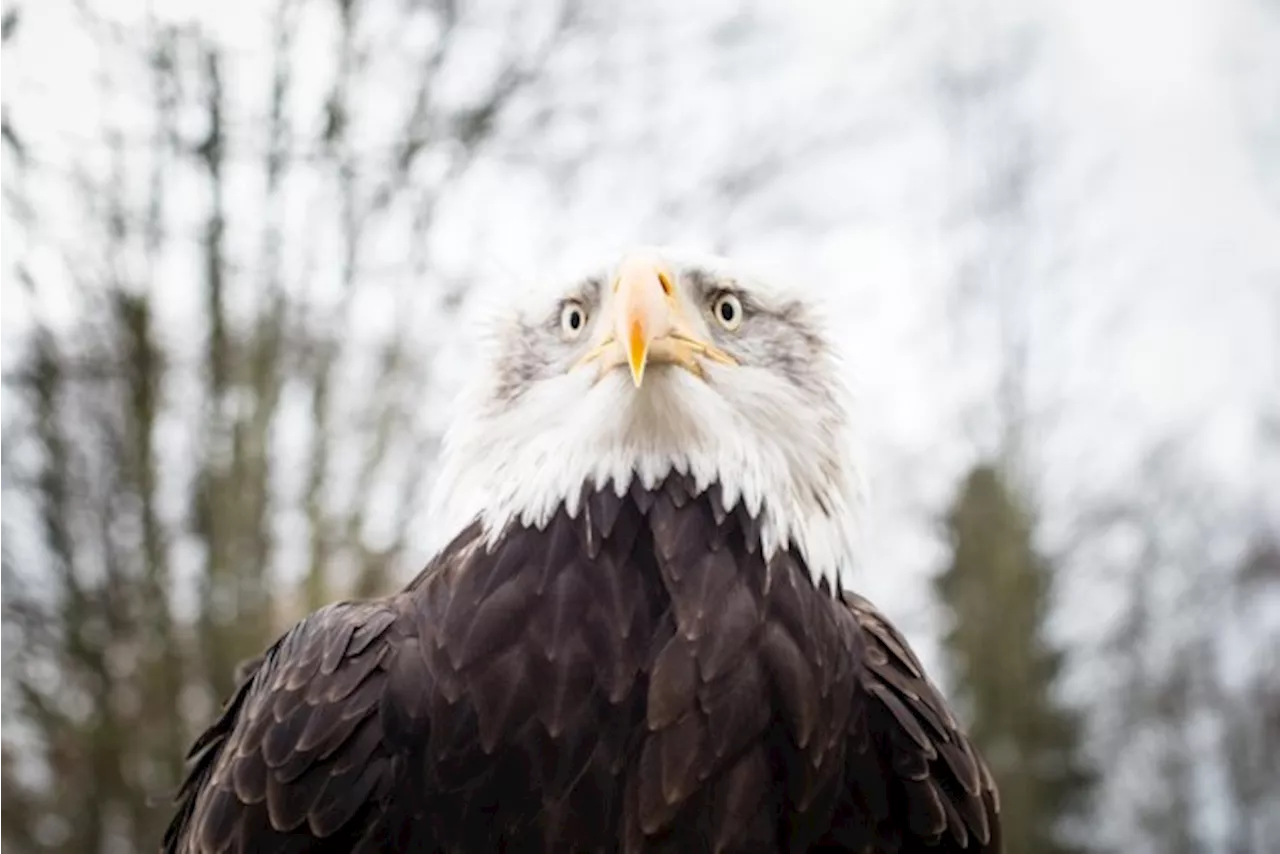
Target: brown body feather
{"points": [[637, 678]]}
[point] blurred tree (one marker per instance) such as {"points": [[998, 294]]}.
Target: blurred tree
{"points": [[1251, 713], [999, 589], [990, 88], [1186, 674], [200, 427], [9, 20]]}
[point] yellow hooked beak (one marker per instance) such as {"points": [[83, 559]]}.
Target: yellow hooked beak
{"points": [[649, 324]]}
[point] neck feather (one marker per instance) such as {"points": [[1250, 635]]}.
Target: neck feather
{"points": [[519, 464]]}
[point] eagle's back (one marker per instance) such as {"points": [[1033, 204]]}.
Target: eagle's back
{"points": [[633, 677]]}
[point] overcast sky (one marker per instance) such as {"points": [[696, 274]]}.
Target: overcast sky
{"points": [[1161, 321]]}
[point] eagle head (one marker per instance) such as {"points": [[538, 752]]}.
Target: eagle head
{"points": [[659, 362]]}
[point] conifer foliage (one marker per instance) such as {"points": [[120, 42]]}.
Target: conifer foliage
{"points": [[1005, 670]]}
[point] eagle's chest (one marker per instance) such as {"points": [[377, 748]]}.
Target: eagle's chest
{"points": [[622, 672]]}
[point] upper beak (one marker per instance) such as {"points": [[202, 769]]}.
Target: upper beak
{"points": [[644, 305], [649, 325]]}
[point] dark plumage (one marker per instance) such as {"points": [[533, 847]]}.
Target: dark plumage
{"points": [[637, 678]]}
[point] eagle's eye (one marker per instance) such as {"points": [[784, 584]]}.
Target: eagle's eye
{"points": [[727, 309], [573, 319]]}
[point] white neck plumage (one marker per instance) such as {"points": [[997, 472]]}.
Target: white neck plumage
{"points": [[520, 463]]}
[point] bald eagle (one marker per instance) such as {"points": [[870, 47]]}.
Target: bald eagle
{"points": [[632, 636]]}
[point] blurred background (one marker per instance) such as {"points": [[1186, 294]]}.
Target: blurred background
{"points": [[245, 244]]}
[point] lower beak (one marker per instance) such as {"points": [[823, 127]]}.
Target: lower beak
{"points": [[637, 351]]}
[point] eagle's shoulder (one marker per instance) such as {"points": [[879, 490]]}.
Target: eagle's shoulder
{"points": [[311, 743], [941, 790]]}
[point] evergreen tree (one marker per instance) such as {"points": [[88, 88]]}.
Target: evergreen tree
{"points": [[999, 589]]}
